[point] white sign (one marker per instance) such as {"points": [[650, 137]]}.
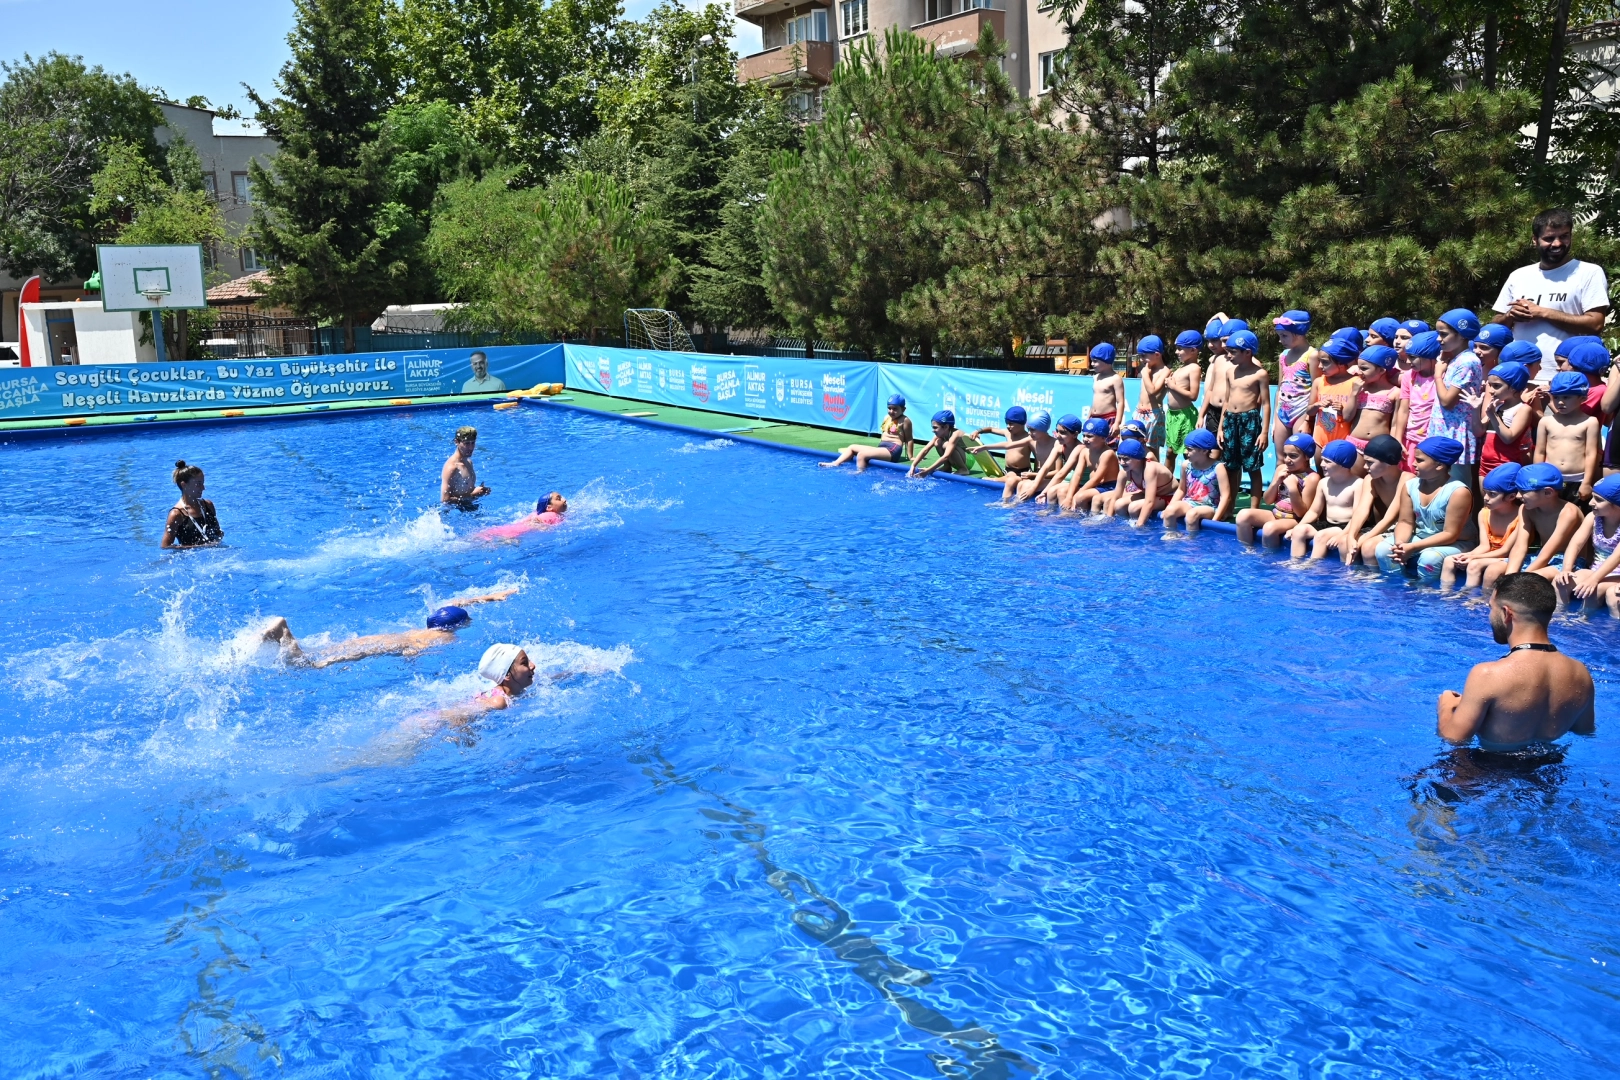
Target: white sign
{"points": [[148, 278]]}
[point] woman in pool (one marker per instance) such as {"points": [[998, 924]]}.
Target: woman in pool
{"points": [[894, 441], [1291, 492], [192, 522]]}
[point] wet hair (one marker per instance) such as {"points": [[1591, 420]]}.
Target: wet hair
{"points": [[1555, 218], [466, 434], [1528, 594], [184, 474]]}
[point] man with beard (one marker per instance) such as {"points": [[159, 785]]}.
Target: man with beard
{"points": [[1532, 695]]}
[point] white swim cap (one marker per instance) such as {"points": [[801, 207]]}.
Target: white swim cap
{"points": [[497, 661]]}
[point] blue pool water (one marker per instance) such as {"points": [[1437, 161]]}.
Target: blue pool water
{"points": [[849, 777]]}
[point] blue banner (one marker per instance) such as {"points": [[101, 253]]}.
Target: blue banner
{"points": [[88, 390], [823, 393], [981, 398]]}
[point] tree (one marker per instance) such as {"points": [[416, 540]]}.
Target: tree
{"points": [[58, 119], [523, 73], [134, 204], [566, 259], [330, 215]]}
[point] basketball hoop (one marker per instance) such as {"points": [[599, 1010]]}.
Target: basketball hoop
{"points": [[155, 296]]}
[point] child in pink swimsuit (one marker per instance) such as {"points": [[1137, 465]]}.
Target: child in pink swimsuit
{"points": [[548, 511]]}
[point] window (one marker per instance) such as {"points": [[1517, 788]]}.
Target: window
{"points": [[855, 17], [1051, 64], [806, 104], [240, 189], [211, 185], [251, 260], [809, 27]]}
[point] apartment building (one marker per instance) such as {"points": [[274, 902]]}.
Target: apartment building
{"points": [[802, 39]]}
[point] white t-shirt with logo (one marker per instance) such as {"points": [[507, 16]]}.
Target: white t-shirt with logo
{"points": [[1573, 288]]}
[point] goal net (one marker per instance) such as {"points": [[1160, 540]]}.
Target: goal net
{"points": [[656, 330]]}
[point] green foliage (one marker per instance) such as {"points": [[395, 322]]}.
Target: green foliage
{"points": [[566, 259], [58, 119], [134, 204], [522, 73]]}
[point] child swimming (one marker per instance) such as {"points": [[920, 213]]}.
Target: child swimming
{"points": [[441, 630], [548, 511], [1498, 529], [894, 441], [1205, 492]]}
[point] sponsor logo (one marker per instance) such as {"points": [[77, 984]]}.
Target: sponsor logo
{"points": [[834, 405], [604, 372], [700, 381]]}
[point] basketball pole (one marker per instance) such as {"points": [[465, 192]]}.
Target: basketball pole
{"points": [[157, 332]]}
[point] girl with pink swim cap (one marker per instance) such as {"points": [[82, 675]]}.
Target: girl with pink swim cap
{"points": [[548, 511]]}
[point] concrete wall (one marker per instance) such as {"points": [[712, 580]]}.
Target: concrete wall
{"points": [[93, 336]]}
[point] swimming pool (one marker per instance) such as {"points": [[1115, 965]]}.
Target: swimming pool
{"points": [[851, 776]]}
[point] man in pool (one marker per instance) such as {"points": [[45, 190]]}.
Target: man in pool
{"points": [[441, 630], [458, 483], [1532, 695]]}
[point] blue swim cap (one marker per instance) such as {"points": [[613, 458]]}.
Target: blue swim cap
{"points": [[1200, 439], [1015, 414], [897, 400], [1094, 426], [1503, 478], [1232, 326], [1151, 343], [1340, 349], [1103, 354], [1132, 448], [1444, 450], [1539, 477], [1041, 421], [1071, 422], [1569, 344], [1385, 328], [1294, 322], [1350, 333], [1243, 339], [1135, 427], [1589, 357], [1608, 488], [1189, 339], [1461, 320], [1415, 326], [1494, 334], [1513, 373], [1527, 353], [1340, 452], [448, 618], [1569, 382], [945, 416], [1303, 442], [1212, 329], [1380, 356], [1424, 346]]}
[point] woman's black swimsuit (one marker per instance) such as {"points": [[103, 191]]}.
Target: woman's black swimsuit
{"points": [[192, 532]]}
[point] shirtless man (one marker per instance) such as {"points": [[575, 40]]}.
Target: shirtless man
{"points": [[441, 630], [1532, 695], [458, 483]]}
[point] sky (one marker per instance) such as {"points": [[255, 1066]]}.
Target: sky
{"points": [[185, 47]]}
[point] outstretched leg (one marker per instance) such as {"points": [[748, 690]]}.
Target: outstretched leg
{"points": [[279, 632]]}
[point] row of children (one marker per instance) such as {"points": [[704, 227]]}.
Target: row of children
{"points": [[1378, 462]]}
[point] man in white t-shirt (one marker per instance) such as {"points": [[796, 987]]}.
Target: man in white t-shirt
{"points": [[1555, 298]]}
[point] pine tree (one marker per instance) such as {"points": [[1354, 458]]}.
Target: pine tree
{"points": [[326, 218]]}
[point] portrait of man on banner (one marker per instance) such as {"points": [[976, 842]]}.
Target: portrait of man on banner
{"points": [[482, 381]]}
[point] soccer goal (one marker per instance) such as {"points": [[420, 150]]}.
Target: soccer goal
{"points": [[656, 330]]}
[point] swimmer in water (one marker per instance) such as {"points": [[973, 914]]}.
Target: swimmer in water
{"points": [[441, 630], [1532, 695], [548, 511], [458, 484], [192, 522], [512, 672]]}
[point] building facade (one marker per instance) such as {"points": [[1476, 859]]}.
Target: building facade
{"points": [[803, 39], [225, 159]]}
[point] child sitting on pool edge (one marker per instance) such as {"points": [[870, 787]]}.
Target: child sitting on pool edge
{"points": [[1205, 491], [1498, 528], [948, 442], [894, 441], [1598, 541]]}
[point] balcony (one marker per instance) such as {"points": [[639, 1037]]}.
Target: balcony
{"points": [[756, 10], [804, 62], [957, 34]]}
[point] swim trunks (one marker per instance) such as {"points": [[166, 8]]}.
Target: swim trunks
{"points": [[1240, 442], [1178, 424], [1212, 419], [1154, 421]]}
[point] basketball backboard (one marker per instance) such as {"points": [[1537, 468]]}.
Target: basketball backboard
{"points": [[156, 277]]}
